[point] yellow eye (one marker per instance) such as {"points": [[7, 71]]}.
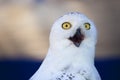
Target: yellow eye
{"points": [[87, 26], [66, 25]]}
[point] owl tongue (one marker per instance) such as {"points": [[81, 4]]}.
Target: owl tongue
{"points": [[77, 38]]}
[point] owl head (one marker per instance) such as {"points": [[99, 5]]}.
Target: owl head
{"points": [[73, 29]]}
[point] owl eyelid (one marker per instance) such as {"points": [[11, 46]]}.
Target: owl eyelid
{"points": [[87, 23]]}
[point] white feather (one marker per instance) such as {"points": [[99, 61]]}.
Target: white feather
{"points": [[64, 58]]}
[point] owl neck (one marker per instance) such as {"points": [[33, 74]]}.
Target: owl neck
{"points": [[65, 47]]}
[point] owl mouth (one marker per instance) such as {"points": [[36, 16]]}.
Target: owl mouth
{"points": [[77, 38]]}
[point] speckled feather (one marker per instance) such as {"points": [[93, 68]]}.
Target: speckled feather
{"points": [[69, 76]]}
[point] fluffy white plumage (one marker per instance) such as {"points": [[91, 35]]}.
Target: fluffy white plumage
{"points": [[71, 52]]}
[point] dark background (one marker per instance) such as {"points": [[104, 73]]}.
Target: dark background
{"points": [[23, 69]]}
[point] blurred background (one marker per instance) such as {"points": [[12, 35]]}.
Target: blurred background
{"points": [[24, 34]]}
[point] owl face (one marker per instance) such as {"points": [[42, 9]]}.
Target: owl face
{"points": [[74, 27]]}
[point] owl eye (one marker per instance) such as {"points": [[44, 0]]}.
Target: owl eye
{"points": [[66, 25], [87, 26]]}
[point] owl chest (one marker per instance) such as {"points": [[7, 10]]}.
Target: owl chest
{"points": [[71, 75]]}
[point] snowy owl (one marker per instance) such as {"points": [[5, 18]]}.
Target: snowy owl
{"points": [[72, 49]]}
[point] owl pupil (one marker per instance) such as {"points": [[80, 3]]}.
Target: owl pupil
{"points": [[66, 25]]}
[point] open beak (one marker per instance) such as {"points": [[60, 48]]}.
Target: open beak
{"points": [[77, 38]]}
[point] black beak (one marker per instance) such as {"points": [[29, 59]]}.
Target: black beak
{"points": [[77, 38]]}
